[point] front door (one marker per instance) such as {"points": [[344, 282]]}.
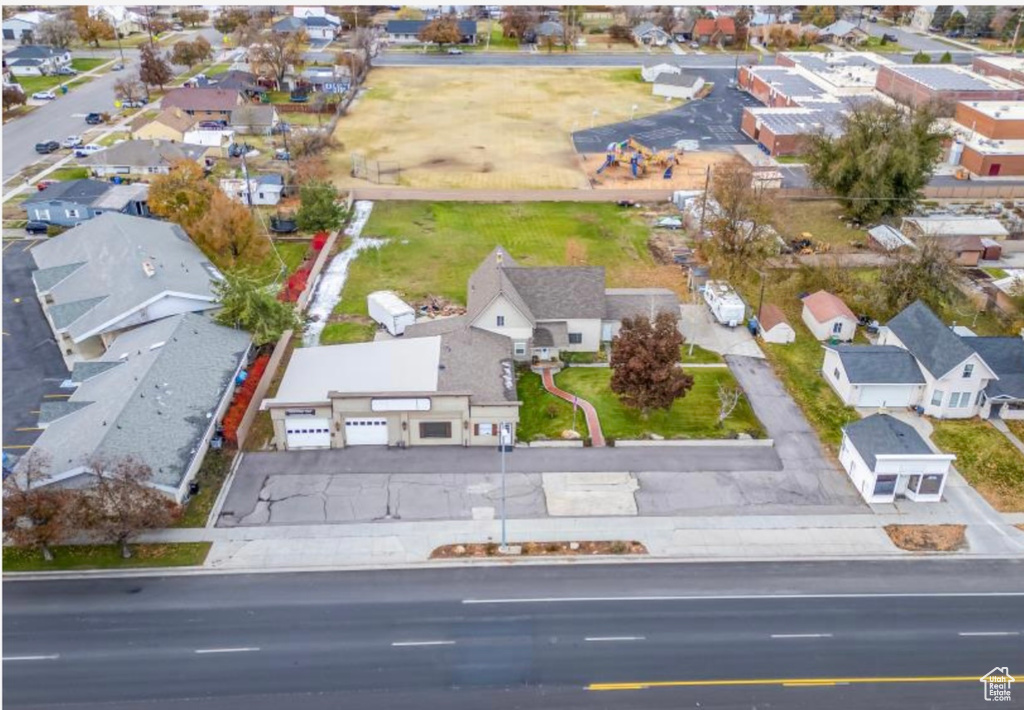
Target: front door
{"points": [[901, 486], [994, 169]]}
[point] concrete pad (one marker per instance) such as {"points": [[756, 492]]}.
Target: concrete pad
{"points": [[779, 542], [299, 509], [590, 494], [698, 326], [483, 513]]}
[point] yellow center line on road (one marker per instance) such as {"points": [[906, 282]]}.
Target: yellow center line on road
{"points": [[18, 446], [29, 428], [56, 396], [779, 681]]}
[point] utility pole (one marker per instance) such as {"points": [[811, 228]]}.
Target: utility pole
{"points": [[760, 300], [149, 23], [502, 430], [117, 33], [704, 202], [1016, 33]]}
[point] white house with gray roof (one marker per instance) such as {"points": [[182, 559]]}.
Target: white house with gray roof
{"points": [[155, 395], [114, 273], [887, 459], [144, 158]]}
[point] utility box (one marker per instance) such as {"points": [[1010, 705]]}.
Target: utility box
{"points": [[390, 311]]}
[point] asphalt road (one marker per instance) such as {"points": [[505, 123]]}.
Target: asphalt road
{"points": [[805, 635]]}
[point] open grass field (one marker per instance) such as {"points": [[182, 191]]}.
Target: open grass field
{"points": [[986, 459], [432, 248], [483, 127]]}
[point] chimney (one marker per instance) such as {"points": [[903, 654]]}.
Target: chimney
{"points": [[499, 256]]}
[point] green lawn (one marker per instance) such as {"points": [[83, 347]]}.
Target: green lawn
{"points": [[218, 69], [986, 459], [32, 84], [66, 557], [69, 174], [292, 253], [543, 416], [994, 272], [110, 139], [698, 355], [433, 247], [874, 44], [210, 478], [791, 159], [347, 332], [84, 64], [692, 417]]}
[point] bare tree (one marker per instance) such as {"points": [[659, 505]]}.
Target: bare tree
{"points": [[364, 41], [274, 53], [130, 88], [60, 31], [739, 218], [120, 504], [36, 516], [728, 400]]}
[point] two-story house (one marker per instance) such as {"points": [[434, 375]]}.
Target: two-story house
{"points": [[71, 202]]}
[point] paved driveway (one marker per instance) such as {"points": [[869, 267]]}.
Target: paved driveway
{"points": [[699, 327], [709, 124], [32, 365]]}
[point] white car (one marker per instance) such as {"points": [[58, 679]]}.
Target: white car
{"points": [[86, 150], [44, 96], [71, 142]]}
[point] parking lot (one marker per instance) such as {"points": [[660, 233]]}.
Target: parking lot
{"points": [[32, 366]]}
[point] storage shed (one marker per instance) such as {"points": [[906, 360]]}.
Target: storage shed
{"points": [[772, 325]]}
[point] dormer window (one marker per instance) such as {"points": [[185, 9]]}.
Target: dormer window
{"points": [[968, 370], [501, 321]]}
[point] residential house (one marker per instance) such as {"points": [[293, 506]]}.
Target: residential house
{"points": [[842, 32], [959, 235], [205, 104], [241, 81], [547, 31], [113, 273], [254, 119], [650, 34], [146, 158], [321, 28], [210, 134], [720, 30], [289, 25], [651, 69], [23, 26], [677, 86], [407, 31], [873, 375], [171, 124], [682, 30], [71, 202], [156, 395], [828, 318], [772, 325], [125, 21], [36, 60], [257, 190], [888, 459]]}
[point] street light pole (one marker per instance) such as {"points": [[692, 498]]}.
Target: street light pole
{"points": [[501, 443]]}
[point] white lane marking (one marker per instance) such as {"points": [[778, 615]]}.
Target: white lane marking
{"points": [[423, 643], [615, 638], [32, 658], [242, 649], [801, 636], [989, 633], [741, 597]]}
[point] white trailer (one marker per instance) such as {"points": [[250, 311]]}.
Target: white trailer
{"points": [[726, 305], [387, 309]]}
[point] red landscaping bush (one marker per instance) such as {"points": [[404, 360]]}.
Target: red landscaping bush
{"points": [[295, 284], [319, 240], [243, 396]]}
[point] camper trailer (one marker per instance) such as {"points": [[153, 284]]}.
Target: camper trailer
{"points": [[725, 304]]}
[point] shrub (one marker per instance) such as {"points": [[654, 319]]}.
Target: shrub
{"points": [[243, 396]]}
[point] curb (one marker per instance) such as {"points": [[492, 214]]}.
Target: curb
{"points": [[222, 494]]}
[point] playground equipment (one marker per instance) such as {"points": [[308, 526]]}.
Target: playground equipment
{"points": [[638, 158]]}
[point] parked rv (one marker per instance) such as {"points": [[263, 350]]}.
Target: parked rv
{"points": [[726, 305]]}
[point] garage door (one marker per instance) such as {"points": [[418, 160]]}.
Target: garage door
{"points": [[308, 432], [885, 395], [366, 432]]}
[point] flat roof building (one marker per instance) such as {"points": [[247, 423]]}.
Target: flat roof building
{"points": [[945, 84]]}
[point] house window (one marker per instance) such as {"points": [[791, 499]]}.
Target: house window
{"points": [[968, 369], [835, 373], [435, 430], [501, 321], [575, 338], [931, 484], [981, 399], [885, 485], [43, 215], [72, 214], [485, 429], [837, 328], [519, 348], [937, 398]]}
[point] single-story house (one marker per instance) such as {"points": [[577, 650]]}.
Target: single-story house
{"points": [[828, 318], [289, 25], [206, 104], [651, 69], [887, 459], [23, 26], [952, 376], [649, 33], [254, 119], [241, 81], [146, 158], [259, 190], [444, 382], [156, 395], [547, 30], [888, 239], [842, 32], [682, 30], [720, 30], [677, 86], [114, 273], [320, 27], [71, 202], [36, 60], [408, 31], [171, 124], [773, 326]]}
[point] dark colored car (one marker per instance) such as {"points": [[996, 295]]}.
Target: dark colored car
{"points": [[36, 227], [890, 38], [94, 119], [47, 147]]}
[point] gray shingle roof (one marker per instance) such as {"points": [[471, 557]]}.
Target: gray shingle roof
{"points": [[489, 280], [145, 153], [157, 404], [45, 279], [882, 434], [113, 250], [554, 292], [288, 24], [64, 314], [51, 411], [673, 79], [35, 51], [622, 303], [935, 346], [87, 369], [83, 191], [1005, 355], [878, 365]]}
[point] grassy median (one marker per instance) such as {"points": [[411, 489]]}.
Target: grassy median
{"points": [[79, 557]]}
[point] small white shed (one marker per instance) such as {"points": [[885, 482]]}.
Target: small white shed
{"points": [[828, 317], [773, 327]]}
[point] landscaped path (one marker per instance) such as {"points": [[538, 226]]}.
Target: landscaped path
{"points": [[593, 423]]}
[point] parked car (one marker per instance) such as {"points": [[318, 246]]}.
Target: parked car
{"points": [[694, 45], [281, 154], [133, 103], [43, 184], [44, 96], [872, 18], [298, 97], [237, 150], [67, 71], [455, 50], [36, 227], [71, 142], [47, 147], [94, 119], [890, 38], [86, 150], [117, 67], [177, 27]]}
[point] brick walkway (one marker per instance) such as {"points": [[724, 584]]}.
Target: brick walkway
{"points": [[593, 423]]}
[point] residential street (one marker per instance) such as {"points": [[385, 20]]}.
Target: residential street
{"points": [[718, 636]]}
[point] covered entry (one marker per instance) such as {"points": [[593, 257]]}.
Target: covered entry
{"points": [[308, 432], [366, 432]]}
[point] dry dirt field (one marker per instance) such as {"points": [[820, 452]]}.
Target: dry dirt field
{"points": [[492, 128]]}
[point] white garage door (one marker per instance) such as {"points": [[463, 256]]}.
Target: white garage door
{"points": [[366, 432], [885, 395], [308, 432]]}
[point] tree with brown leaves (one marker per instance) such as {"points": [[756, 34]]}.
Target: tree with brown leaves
{"points": [[120, 504], [192, 16], [229, 230], [644, 362], [276, 52], [153, 69], [59, 31], [444, 30], [183, 195], [517, 20], [739, 219], [92, 29], [36, 516]]}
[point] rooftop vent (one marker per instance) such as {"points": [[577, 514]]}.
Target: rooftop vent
{"points": [[148, 269]]}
